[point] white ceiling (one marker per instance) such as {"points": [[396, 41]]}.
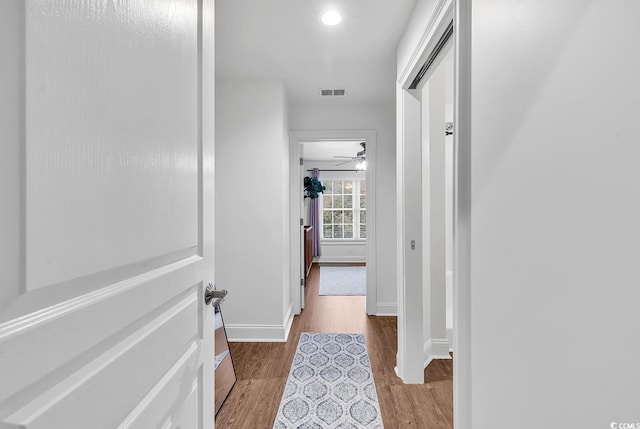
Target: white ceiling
{"points": [[328, 150], [285, 39]]}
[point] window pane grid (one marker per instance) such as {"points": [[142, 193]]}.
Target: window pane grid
{"points": [[344, 209]]}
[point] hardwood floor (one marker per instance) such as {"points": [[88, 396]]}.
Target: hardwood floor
{"points": [[262, 369]]}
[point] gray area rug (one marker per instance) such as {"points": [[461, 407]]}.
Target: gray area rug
{"points": [[343, 280], [330, 385]]}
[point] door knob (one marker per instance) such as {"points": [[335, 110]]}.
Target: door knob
{"points": [[213, 296]]}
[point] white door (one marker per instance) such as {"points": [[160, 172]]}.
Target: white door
{"points": [[106, 234]]}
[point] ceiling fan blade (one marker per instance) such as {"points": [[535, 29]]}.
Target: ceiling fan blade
{"points": [[346, 157], [345, 162]]}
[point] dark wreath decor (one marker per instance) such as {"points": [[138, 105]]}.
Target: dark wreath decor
{"points": [[312, 187]]}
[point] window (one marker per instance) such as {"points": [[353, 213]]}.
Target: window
{"points": [[344, 209]]}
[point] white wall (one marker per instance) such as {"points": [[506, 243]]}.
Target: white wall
{"points": [[554, 213], [12, 143], [328, 115], [252, 207], [342, 250]]}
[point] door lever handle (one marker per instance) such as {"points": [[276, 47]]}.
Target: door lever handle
{"points": [[213, 296]]}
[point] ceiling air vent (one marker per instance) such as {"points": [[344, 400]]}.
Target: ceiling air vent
{"points": [[337, 92]]}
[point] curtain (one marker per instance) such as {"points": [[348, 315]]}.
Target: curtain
{"points": [[314, 207]]}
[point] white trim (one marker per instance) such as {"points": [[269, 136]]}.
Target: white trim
{"points": [[343, 241], [462, 382], [288, 321], [450, 338], [172, 375], [297, 137], [344, 264], [37, 319], [442, 15], [436, 349], [339, 259], [61, 391], [295, 213], [245, 333], [387, 309], [409, 223], [256, 333]]}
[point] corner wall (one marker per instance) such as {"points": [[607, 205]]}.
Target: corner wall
{"points": [[370, 116], [421, 207], [252, 208]]}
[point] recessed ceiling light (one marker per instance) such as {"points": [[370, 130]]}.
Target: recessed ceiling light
{"points": [[331, 18]]}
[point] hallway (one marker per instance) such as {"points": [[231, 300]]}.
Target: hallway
{"points": [[262, 368]]}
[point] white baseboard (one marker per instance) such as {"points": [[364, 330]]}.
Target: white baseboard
{"points": [[340, 259], [288, 320], [436, 349], [386, 309], [260, 333], [449, 320]]}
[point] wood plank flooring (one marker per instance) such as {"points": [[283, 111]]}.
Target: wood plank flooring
{"points": [[262, 369]]}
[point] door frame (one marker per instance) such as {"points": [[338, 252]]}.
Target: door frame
{"points": [[295, 197], [460, 11]]}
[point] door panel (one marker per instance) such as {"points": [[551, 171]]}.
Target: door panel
{"points": [[104, 324], [24, 339], [68, 403], [152, 410], [112, 128]]}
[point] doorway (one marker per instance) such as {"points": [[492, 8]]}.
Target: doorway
{"points": [[335, 221], [445, 27], [436, 95], [343, 245], [427, 220]]}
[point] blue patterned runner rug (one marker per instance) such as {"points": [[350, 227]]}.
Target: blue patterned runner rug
{"points": [[330, 385]]}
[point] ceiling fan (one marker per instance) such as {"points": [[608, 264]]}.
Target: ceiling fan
{"points": [[360, 159]]}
